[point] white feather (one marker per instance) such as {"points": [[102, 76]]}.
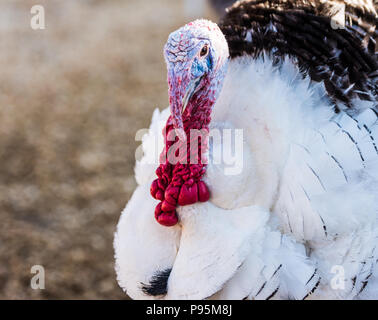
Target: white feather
{"points": [[306, 200]]}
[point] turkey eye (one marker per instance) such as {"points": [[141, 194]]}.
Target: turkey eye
{"points": [[204, 51]]}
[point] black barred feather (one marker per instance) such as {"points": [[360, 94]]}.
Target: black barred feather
{"points": [[158, 284], [345, 59]]}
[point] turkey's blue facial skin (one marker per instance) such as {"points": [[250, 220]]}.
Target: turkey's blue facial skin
{"points": [[201, 66], [188, 63], [198, 69]]}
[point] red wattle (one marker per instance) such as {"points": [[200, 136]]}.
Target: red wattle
{"points": [[159, 195], [161, 184], [203, 192], [188, 195], [171, 194], [179, 183], [154, 188], [168, 219], [167, 207], [158, 211]]}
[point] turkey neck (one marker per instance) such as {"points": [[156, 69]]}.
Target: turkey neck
{"points": [[198, 113], [181, 184], [196, 116]]}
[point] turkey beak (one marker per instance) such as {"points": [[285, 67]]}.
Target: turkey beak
{"points": [[179, 100], [190, 91]]}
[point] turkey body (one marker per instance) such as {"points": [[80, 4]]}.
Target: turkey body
{"points": [[297, 220], [322, 170]]}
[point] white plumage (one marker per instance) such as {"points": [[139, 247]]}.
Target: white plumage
{"points": [[299, 221]]}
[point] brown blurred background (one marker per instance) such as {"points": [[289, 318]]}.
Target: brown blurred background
{"points": [[72, 97]]}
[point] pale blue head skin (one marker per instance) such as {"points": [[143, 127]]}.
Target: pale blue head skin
{"points": [[197, 57]]}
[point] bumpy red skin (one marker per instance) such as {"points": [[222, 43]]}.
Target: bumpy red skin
{"points": [[181, 184]]}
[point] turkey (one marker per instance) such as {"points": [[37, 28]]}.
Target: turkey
{"points": [[292, 90]]}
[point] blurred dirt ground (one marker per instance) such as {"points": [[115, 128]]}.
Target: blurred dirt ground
{"points": [[71, 99]]}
